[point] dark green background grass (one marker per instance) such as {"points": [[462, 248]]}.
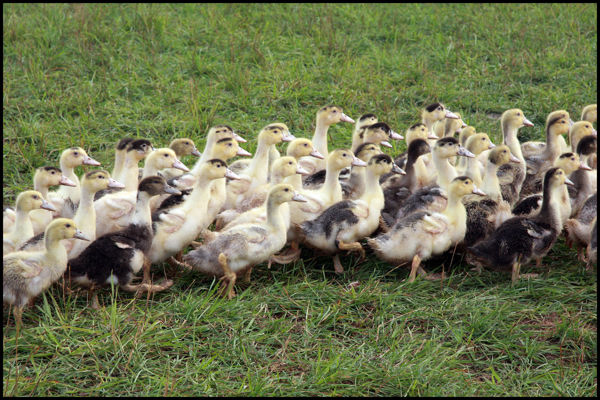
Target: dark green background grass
{"points": [[88, 75]]}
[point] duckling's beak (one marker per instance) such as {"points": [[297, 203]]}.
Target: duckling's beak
{"points": [[231, 175], [395, 135], [514, 159], [179, 165], [432, 136], [242, 152], [527, 122], [239, 138], [594, 132], [386, 143], [301, 171], [315, 153], [584, 166], [66, 181], [463, 125], [358, 162], [571, 122], [299, 197], [346, 118], [397, 169], [288, 138], [79, 235], [47, 206], [464, 152], [478, 191], [491, 146], [569, 182], [196, 153], [115, 184], [451, 115], [90, 161], [171, 190]]}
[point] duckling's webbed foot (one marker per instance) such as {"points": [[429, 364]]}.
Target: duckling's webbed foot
{"points": [[228, 276], [182, 264], [288, 256], [354, 246]]}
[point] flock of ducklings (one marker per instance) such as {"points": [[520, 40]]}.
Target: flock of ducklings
{"points": [[503, 205]]}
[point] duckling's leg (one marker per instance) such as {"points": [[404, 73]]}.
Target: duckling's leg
{"points": [[195, 244], [174, 262], [247, 275], [383, 225], [337, 264], [290, 255], [18, 312], [146, 268], [228, 276], [516, 269], [92, 292], [354, 246], [416, 261]]}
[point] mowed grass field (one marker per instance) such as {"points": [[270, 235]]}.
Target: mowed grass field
{"points": [[88, 75]]}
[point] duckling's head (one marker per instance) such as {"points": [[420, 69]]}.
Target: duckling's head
{"points": [[51, 176], [465, 134], [558, 122], [587, 145], [448, 147], [343, 158], [365, 120], [76, 156], [453, 126], [378, 133], [63, 228], [418, 131], [282, 193], [514, 118], [569, 162], [437, 112], [217, 169], [155, 185], [478, 143], [287, 136], [590, 113], [183, 147], [330, 115], [381, 164], [555, 177], [367, 150], [32, 200], [462, 186], [302, 147], [271, 134], [227, 148], [501, 155], [417, 148], [122, 144], [97, 180], [139, 148], [581, 129], [287, 166], [165, 158]]}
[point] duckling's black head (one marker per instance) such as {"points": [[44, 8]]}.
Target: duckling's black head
{"points": [[123, 143], [141, 145], [549, 175], [366, 146], [380, 125], [416, 125], [51, 169], [434, 106], [447, 141], [418, 147], [381, 159], [155, 185], [587, 145], [218, 163], [365, 116]]}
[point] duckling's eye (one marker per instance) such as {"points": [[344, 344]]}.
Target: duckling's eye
{"points": [[563, 122], [187, 143], [587, 126], [100, 177], [68, 225], [466, 182], [483, 139], [504, 151], [518, 114], [290, 163], [76, 154], [286, 190], [344, 155], [439, 108], [333, 111], [53, 172], [35, 197], [166, 155]]}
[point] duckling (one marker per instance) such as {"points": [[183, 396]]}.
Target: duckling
{"points": [[23, 229], [520, 239], [422, 234], [416, 131], [135, 151], [579, 130], [364, 120], [486, 214], [179, 226], [120, 153], [583, 178], [287, 137], [159, 160], [512, 175], [443, 150], [343, 224], [590, 113], [471, 167], [182, 147], [326, 117], [558, 123], [299, 148], [214, 134], [433, 113], [464, 134], [530, 204], [354, 187], [115, 257], [238, 249], [579, 228], [27, 274], [449, 126]]}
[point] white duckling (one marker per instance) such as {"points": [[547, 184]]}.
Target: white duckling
{"points": [[23, 229]]}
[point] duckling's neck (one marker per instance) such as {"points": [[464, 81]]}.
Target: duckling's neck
{"points": [[473, 171], [356, 140], [491, 184], [429, 121], [509, 138], [85, 217], [23, 225], [277, 178], [332, 187], [550, 211], [71, 192], [445, 171], [420, 172], [150, 168], [553, 148], [455, 211], [141, 215], [40, 185], [259, 166], [319, 139], [295, 180], [129, 173], [119, 160], [373, 193], [274, 217]]}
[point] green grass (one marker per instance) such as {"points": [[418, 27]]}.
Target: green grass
{"points": [[90, 74]]}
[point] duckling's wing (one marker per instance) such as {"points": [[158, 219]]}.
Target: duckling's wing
{"points": [[117, 207], [25, 267], [312, 204], [171, 221]]}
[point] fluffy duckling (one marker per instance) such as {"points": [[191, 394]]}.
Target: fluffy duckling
{"points": [[470, 166], [416, 131], [26, 274], [237, 250], [354, 187], [443, 150], [23, 228], [422, 234], [364, 120], [464, 134], [486, 214], [287, 137], [590, 113], [116, 257], [214, 134], [449, 126], [519, 239], [512, 175], [568, 162], [120, 153], [433, 113], [343, 224], [579, 130], [179, 226], [182, 147], [326, 117], [579, 228], [135, 151], [159, 160], [299, 148], [583, 178], [558, 124]]}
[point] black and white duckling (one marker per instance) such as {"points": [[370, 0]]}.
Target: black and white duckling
{"points": [[585, 181], [235, 251], [326, 117], [579, 228], [486, 214], [182, 147], [512, 175], [529, 205], [579, 130], [364, 120], [26, 274], [422, 234], [443, 150], [22, 229], [416, 131], [343, 224], [66, 197], [128, 174], [470, 166], [520, 239], [114, 258], [354, 186], [179, 226], [120, 153], [433, 113], [379, 133], [449, 126]]}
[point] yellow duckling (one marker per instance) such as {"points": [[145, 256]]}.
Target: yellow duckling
{"points": [[23, 229], [27, 274], [416, 131], [558, 124], [449, 126], [120, 153], [470, 166], [590, 113], [182, 147], [464, 134], [299, 148], [364, 120], [433, 113], [134, 152]]}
